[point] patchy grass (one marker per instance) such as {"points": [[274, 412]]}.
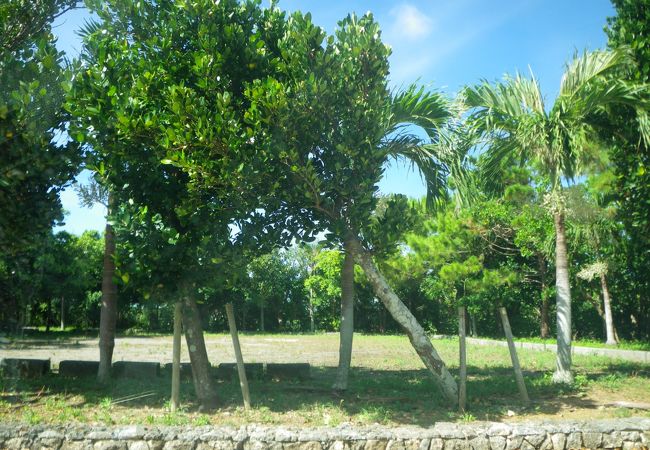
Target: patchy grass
{"points": [[387, 385], [623, 345]]}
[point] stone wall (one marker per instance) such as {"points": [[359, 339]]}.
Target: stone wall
{"points": [[620, 433]]}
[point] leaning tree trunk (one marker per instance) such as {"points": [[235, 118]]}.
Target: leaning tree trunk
{"points": [[347, 320], [204, 386], [419, 340], [543, 327], [108, 314], [609, 321], [563, 299]]}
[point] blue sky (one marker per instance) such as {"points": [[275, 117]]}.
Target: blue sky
{"points": [[443, 44]]}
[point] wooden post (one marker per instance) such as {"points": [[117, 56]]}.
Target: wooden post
{"points": [[462, 385], [243, 382], [176, 357], [513, 355]]}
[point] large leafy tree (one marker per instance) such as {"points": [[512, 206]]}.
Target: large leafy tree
{"points": [[35, 161], [337, 130], [514, 119], [166, 100], [631, 156]]}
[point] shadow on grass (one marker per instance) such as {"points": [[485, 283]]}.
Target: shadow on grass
{"points": [[383, 396]]}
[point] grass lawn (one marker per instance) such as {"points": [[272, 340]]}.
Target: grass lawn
{"points": [[388, 385]]}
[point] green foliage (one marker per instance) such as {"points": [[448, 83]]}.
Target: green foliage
{"points": [[631, 155], [35, 161]]}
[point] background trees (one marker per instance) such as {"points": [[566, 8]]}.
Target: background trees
{"points": [[512, 114]]}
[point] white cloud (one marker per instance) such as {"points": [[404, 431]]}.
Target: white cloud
{"points": [[410, 22]]}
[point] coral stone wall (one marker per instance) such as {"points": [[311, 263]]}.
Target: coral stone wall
{"points": [[621, 433]]}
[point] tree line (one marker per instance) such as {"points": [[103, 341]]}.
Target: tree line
{"points": [[238, 150]]}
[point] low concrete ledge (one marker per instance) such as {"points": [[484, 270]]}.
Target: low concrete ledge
{"points": [[628, 433], [24, 367], [186, 370], [228, 371], [136, 369], [295, 371], [71, 368]]}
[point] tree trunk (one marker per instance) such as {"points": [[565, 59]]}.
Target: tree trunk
{"points": [[176, 357], [262, 316], [312, 323], [204, 385], [241, 370], [419, 340], [347, 320], [544, 329], [609, 321], [108, 314], [462, 353], [62, 313], [48, 315], [563, 300], [519, 377], [472, 323]]}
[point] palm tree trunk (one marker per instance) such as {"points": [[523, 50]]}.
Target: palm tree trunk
{"points": [[563, 299], [419, 340], [543, 327], [347, 319], [204, 386], [312, 322], [609, 321], [108, 314], [62, 313]]}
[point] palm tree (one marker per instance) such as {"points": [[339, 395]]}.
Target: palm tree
{"points": [[407, 109], [511, 115]]}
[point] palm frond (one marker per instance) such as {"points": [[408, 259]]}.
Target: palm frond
{"points": [[587, 68], [416, 106]]}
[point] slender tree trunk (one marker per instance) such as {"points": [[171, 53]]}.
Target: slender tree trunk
{"points": [[419, 339], [563, 299], [204, 385], [176, 356], [62, 313], [607, 303], [108, 314], [48, 315], [472, 322], [519, 377], [262, 316], [347, 320], [241, 370], [462, 353], [544, 329], [312, 322]]}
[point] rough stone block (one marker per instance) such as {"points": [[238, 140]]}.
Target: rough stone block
{"points": [[24, 367], [186, 370], [612, 440], [138, 445], [136, 369], [70, 368], [178, 445], [109, 445], [574, 440], [436, 444], [497, 442], [75, 445], [228, 371], [305, 445], [514, 442], [592, 440], [559, 441]]}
